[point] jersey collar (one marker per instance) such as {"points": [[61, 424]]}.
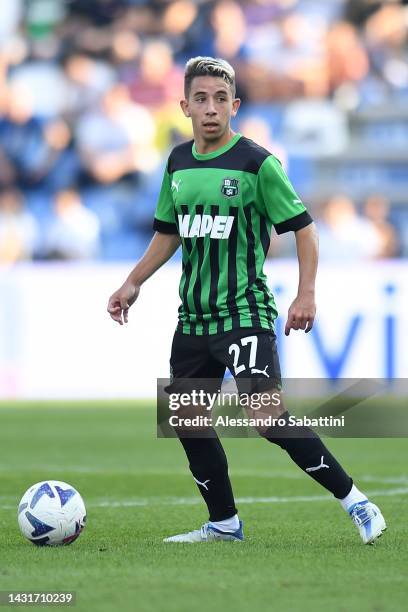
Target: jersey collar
{"points": [[217, 152]]}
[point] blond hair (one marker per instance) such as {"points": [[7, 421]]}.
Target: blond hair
{"points": [[208, 66]]}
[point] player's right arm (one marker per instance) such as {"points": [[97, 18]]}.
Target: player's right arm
{"points": [[161, 248], [164, 244]]}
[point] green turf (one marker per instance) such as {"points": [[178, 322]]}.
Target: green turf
{"points": [[303, 555]]}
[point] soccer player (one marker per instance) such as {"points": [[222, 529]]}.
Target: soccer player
{"points": [[221, 194]]}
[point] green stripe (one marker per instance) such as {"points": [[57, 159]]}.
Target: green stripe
{"points": [[223, 278], [259, 254], [193, 279], [205, 280]]}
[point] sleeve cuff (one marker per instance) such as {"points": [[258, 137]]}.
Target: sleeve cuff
{"points": [[294, 224], [164, 227]]}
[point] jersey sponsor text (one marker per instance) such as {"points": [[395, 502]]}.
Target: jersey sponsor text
{"points": [[198, 226]]}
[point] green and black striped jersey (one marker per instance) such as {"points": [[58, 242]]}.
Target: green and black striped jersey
{"points": [[223, 205]]}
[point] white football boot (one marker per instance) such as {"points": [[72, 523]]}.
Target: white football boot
{"points": [[369, 521], [208, 533]]}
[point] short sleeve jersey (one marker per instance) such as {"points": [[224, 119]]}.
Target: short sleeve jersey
{"points": [[223, 205]]}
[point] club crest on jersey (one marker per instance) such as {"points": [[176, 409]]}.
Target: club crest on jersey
{"points": [[229, 187]]}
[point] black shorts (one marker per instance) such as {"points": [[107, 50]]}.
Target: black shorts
{"points": [[250, 355]]}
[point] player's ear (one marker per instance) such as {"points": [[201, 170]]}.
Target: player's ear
{"points": [[184, 107], [236, 103]]}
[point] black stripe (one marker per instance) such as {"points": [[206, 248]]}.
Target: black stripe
{"points": [[251, 269], [232, 270], [215, 274], [197, 289], [261, 286], [265, 241], [187, 267], [164, 227], [265, 236], [294, 224]]}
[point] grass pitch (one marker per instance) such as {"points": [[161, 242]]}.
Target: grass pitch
{"points": [[301, 550]]}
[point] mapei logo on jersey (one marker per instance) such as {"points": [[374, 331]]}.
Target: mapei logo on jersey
{"points": [[198, 226], [229, 187]]}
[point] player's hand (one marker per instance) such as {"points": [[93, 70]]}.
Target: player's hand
{"points": [[301, 313], [120, 302]]}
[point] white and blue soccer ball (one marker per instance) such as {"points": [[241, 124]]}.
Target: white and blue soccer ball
{"points": [[51, 513]]}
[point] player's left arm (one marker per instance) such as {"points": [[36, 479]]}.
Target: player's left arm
{"points": [[302, 311], [278, 201]]}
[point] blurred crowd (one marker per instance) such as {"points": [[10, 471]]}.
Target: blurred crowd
{"points": [[89, 94]]}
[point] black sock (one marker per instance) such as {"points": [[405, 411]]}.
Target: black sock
{"points": [[308, 451], [209, 467]]}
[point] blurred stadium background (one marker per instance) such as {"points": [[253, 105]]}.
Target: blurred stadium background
{"points": [[89, 110]]}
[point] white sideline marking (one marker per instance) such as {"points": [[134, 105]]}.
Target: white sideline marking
{"points": [[271, 474], [178, 501], [192, 501]]}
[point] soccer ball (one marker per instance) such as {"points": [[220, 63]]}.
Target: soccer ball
{"points": [[51, 513]]}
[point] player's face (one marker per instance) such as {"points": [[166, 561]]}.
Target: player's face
{"points": [[210, 105]]}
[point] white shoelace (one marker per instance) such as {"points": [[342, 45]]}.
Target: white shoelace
{"points": [[362, 514]]}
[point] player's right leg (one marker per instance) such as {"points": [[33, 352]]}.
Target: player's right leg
{"points": [[191, 363]]}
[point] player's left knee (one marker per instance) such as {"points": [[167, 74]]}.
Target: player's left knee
{"points": [[265, 408]]}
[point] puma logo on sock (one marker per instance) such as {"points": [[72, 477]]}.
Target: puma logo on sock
{"points": [[202, 484], [317, 467]]}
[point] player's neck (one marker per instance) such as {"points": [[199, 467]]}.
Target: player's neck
{"points": [[203, 146]]}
